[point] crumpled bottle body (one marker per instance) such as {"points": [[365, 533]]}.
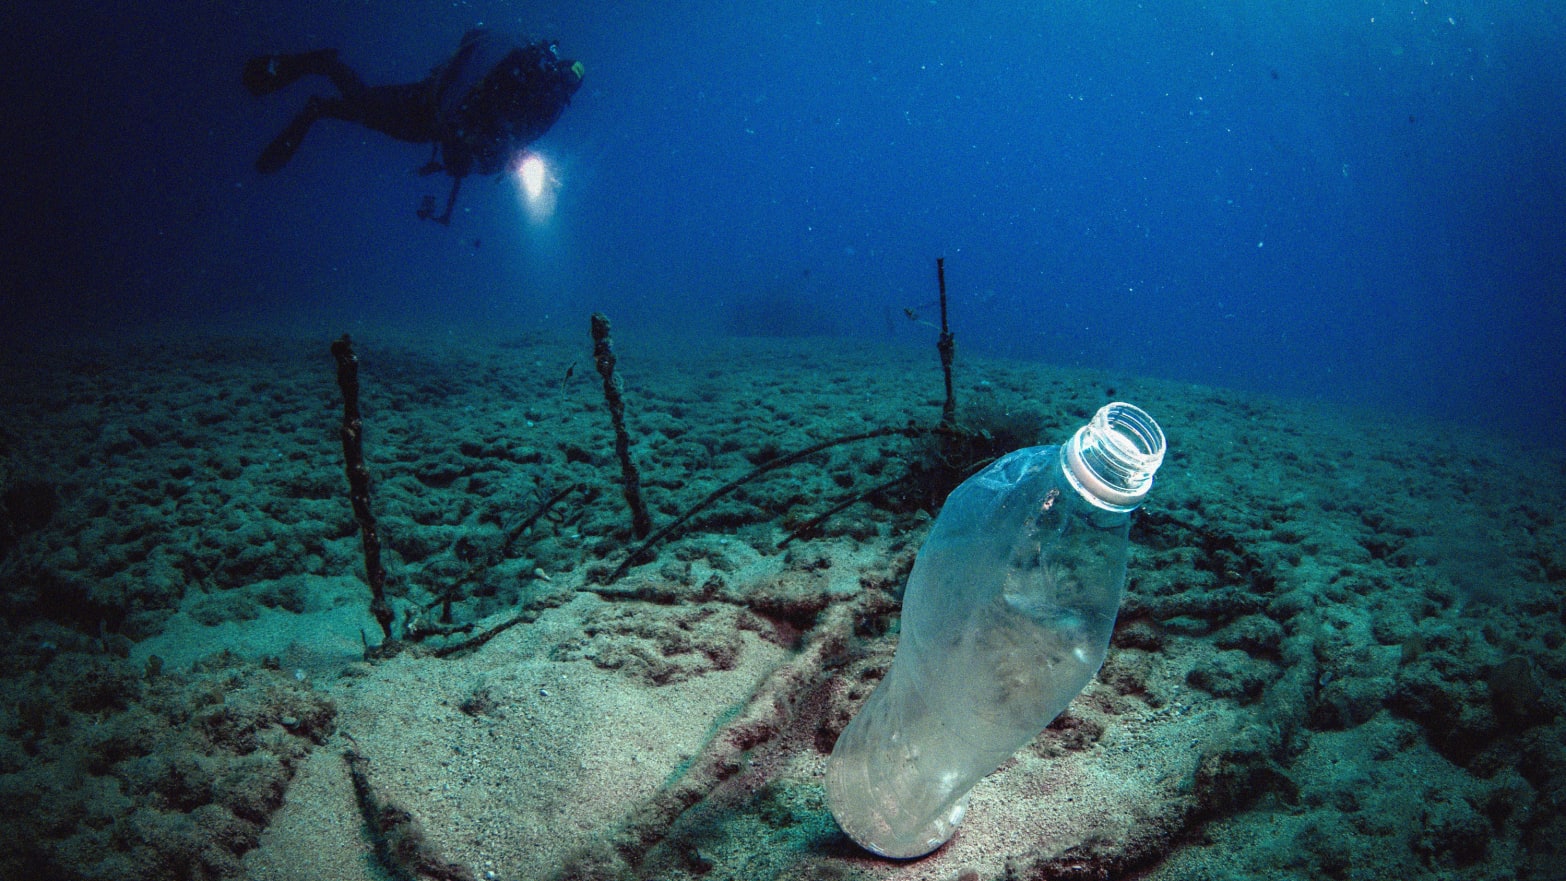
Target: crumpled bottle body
{"points": [[1007, 616]]}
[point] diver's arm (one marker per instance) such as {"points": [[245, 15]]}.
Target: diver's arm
{"points": [[451, 202], [427, 207]]}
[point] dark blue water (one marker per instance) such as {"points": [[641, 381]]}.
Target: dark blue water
{"points": [[1359, 202]]}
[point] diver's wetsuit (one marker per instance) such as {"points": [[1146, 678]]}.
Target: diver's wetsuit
{"points": [[487, 102], [406, 112]]}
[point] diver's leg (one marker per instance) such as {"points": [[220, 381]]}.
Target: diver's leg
{"points": [[399, 111], [282, 148], [406, 112], [265, 74]]}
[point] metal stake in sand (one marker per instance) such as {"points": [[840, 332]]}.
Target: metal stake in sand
{"points": [[948, 349], [359, 481], [603, 356]]}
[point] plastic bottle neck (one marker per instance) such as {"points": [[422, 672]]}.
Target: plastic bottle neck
{"points": [[1111, 460]]}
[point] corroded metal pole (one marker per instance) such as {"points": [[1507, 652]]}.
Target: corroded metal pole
{"points": [[603, 356], [948, 349], [359, 481]]}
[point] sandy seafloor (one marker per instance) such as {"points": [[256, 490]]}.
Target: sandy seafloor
{"points": [[1340, 655]]}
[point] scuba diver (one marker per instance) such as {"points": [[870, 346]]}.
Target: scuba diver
{"points": [[477, 110]]}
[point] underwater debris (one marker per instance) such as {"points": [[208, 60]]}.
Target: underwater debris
{"points": [[400, 845], [947, 346], [603, 356], [640, 553], [453, 590], [814, 523], [359, 484], [956, 451], [415, 626]]}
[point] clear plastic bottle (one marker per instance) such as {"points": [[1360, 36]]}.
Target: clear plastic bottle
{"points": [[1006, 618]]}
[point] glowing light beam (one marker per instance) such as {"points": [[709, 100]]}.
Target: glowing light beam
{"points": [[533, 175]]}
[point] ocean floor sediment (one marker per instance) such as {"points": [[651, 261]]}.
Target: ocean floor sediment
{"points": [[1340, 653]]}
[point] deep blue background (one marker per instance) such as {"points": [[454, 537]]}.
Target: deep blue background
{"points": [[1356, 201]]}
